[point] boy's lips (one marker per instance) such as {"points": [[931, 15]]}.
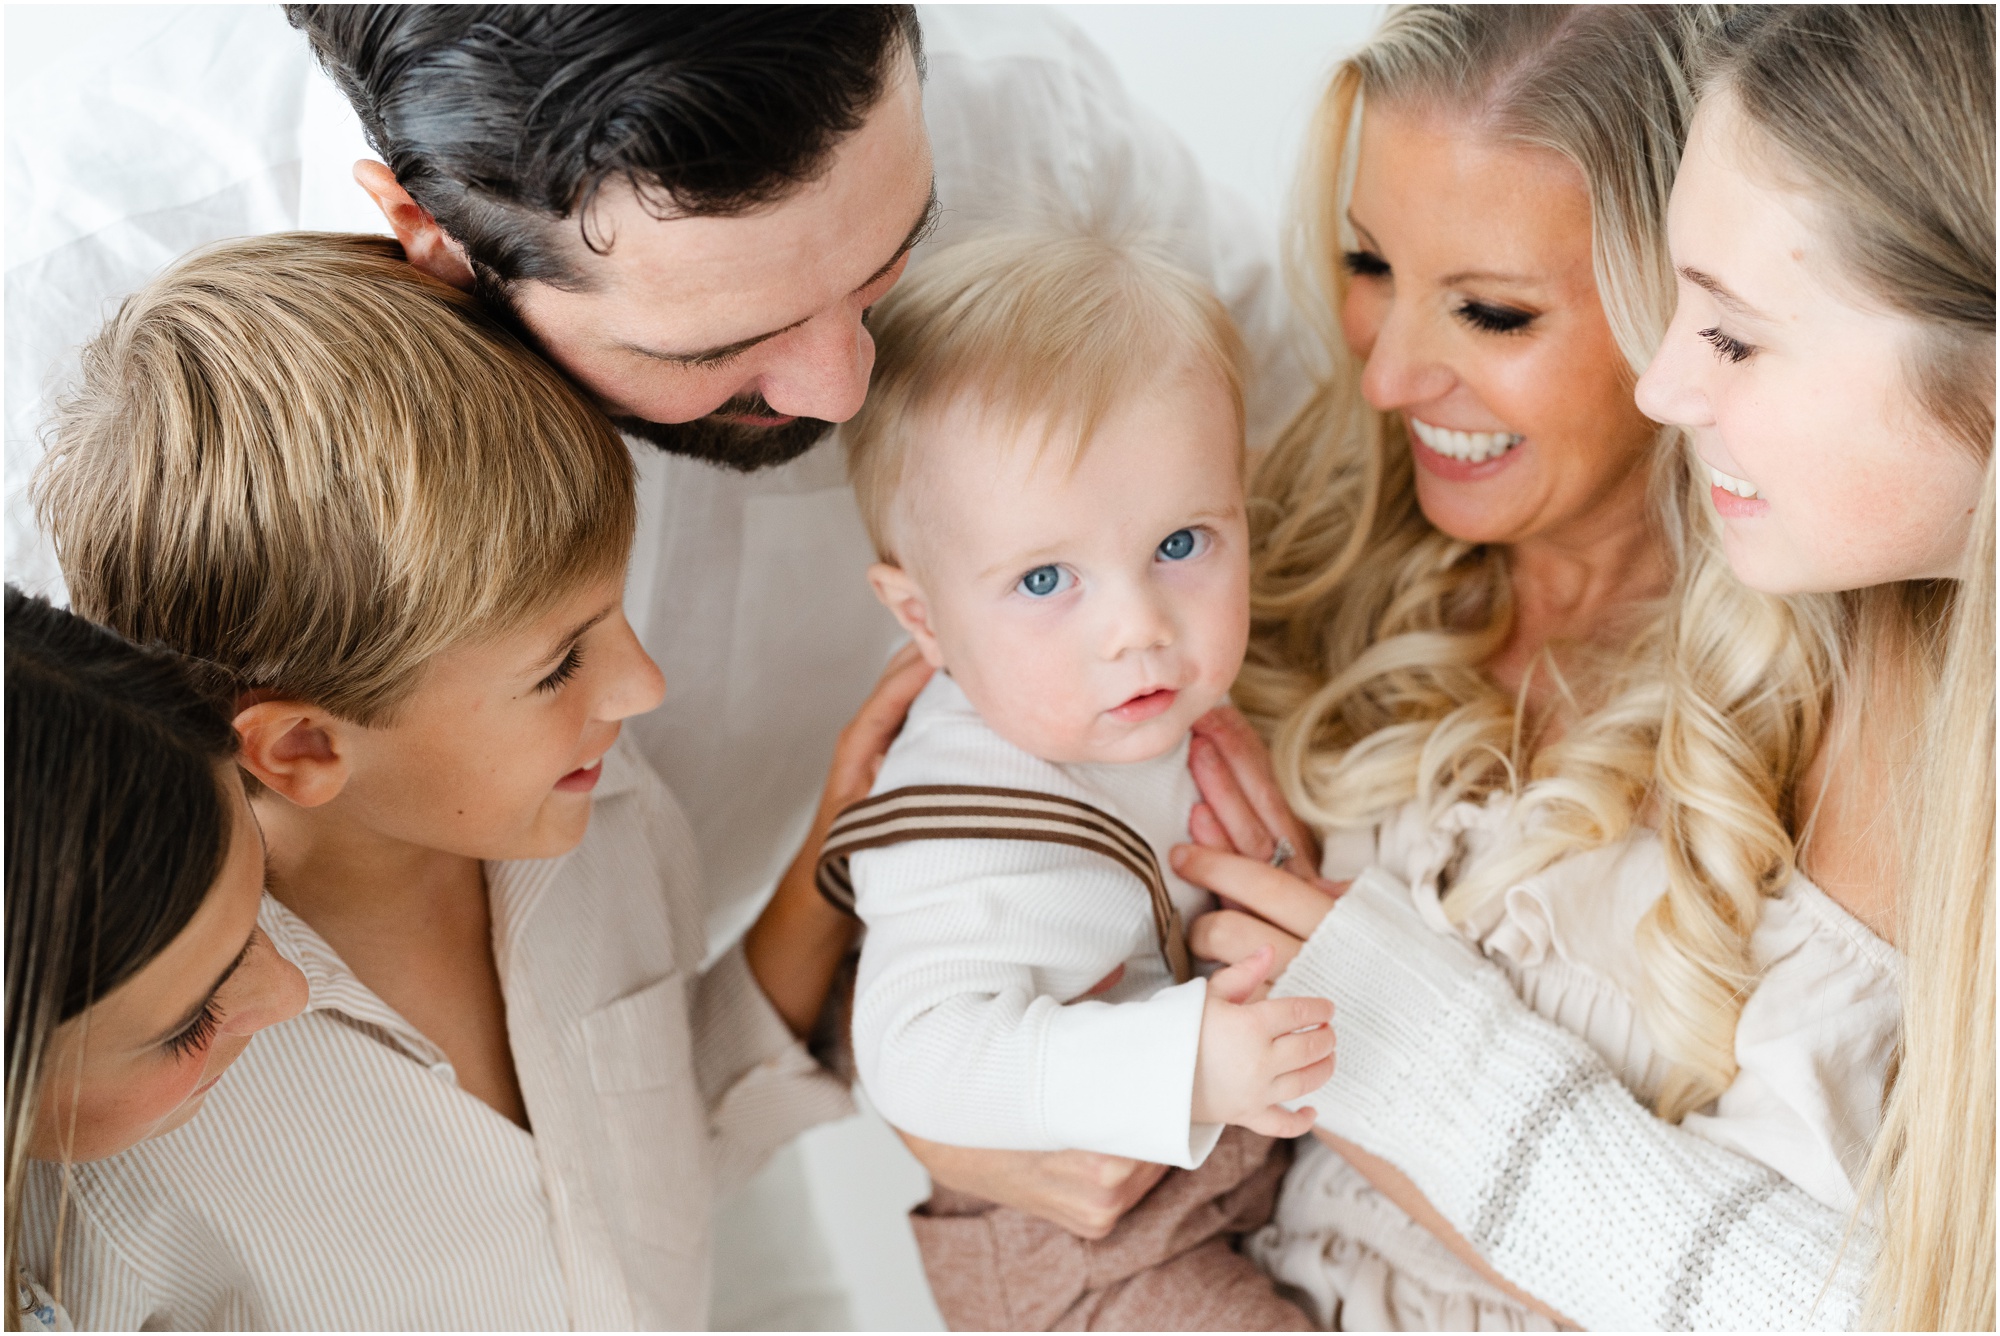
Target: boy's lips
{"points": [[1146, 705], [582, 780]]}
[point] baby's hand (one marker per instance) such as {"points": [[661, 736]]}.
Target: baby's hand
{"points": [[1254, 1056]]}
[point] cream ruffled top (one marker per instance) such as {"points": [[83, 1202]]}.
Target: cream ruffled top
{"points": [[1813, 1045]]}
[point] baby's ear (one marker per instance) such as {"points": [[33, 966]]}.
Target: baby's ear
{"points": [[904, 598], [294, 749]]}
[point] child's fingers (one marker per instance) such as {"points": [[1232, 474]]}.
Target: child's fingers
{"points": [[1292, 1051], [1281, 1123], [1304, 1081], [1236, 983], [1282, 1015]]}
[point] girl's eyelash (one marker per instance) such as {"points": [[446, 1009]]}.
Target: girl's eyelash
{"points": [[564, 671], [199, 1031], [1495, 319], [1733, 350], [1364, 264]]}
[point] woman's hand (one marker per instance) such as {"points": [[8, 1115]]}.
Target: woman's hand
{"points": [[795, 945], [1267, 906], [1078, 1190], [1242, 809]]}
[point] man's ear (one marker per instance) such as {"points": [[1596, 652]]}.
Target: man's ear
{"points": [[899, 593], [293, 749], [426, 244]]}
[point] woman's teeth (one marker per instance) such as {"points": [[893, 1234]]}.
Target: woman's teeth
{"points": [[1471, 446], [1729, 484]]}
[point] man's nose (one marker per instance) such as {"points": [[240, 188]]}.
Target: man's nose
{"points": [[1403, 369], [822, 370]]}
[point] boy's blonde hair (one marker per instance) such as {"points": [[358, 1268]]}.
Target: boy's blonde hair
{"points": [[302, 459], [1045, 328]]}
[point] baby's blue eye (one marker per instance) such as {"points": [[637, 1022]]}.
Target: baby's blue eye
{"points": [[1180, 545], [1044, 581]]}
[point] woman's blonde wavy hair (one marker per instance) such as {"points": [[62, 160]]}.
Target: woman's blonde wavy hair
{"points": [[1371, 627], [1884, 116]]}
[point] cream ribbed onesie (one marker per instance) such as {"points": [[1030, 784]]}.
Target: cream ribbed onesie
{"points": [[966, 1027]]}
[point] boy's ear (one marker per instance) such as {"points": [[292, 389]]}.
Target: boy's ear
{"points": [[424, 242], [294, 749], [900, 594]]}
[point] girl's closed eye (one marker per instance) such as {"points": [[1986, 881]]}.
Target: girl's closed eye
{"points": [[194, 1037], [1730, 349], [564, 671], [1046, 582], [1183, 545]]}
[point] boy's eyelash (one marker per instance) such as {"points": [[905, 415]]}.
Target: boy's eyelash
{"points": [[199, 1031], [1495, 319], [1364, 264], [1734, 350], [564, 671]]}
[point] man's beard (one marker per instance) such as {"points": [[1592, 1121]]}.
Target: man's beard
{"points": [[741, 446]]}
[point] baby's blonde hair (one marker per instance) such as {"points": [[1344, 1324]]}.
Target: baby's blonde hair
{"points": [[303, 460], [1045, 328]]}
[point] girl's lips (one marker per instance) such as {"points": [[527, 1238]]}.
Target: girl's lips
{"points": [[581, 781], [1733, 507], [1461, 470], [1146, 705]]}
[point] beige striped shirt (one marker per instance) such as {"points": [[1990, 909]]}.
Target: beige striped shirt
{"points": [[339, 1178]]}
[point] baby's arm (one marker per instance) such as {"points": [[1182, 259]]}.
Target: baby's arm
{"points": [[960, 1031]]}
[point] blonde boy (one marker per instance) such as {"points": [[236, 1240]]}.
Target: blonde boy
{"points": [[1050, 463], [513, 1090]]}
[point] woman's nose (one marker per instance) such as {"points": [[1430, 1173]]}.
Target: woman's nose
{"points": [[1670, 391], [1402, 369]]}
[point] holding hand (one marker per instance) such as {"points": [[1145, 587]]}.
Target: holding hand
{"points": [[1256, 1055]]}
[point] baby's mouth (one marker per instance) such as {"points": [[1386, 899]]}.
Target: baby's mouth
{"points": [[1146, 705]]}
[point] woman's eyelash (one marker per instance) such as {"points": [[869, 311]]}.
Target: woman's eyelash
{"points": [[1495, 319], [199, 1031], [1734, 350], [1364, 264], [564, 670]]}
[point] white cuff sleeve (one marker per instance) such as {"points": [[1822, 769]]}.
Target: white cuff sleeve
{"points": [[1119, 1078], [1520, 1135]]}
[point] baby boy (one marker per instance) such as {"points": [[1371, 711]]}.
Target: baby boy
{"points": [[1050, 464]]}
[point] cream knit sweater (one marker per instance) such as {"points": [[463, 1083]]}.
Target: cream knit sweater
{"points": [[965, 1027], [1535, 1151]]}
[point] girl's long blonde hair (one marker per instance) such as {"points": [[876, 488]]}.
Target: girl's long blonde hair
{"points": [[1372, 627], [1885, 116]]}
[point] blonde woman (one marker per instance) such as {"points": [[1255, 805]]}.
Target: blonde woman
{"points": [[1489, 770], [1832, 363]]}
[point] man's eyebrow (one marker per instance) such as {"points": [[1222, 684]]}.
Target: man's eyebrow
{"points": [[188, 1017], [571, 636], [1715, 288], [926, 223]]}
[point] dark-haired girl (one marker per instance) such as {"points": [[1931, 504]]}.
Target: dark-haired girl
{"points": [[135, 971]]}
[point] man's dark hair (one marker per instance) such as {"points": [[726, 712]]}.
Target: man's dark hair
{"points": [[505, 121]]}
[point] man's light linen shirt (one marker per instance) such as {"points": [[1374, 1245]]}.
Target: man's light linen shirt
{"points": [[338, 1177], [973, 947]]}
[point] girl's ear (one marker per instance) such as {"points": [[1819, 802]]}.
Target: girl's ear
{"points": [[293, 749], [899, 592]]}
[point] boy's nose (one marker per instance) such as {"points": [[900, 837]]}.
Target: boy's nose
{"points": [[1142, 622]]}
